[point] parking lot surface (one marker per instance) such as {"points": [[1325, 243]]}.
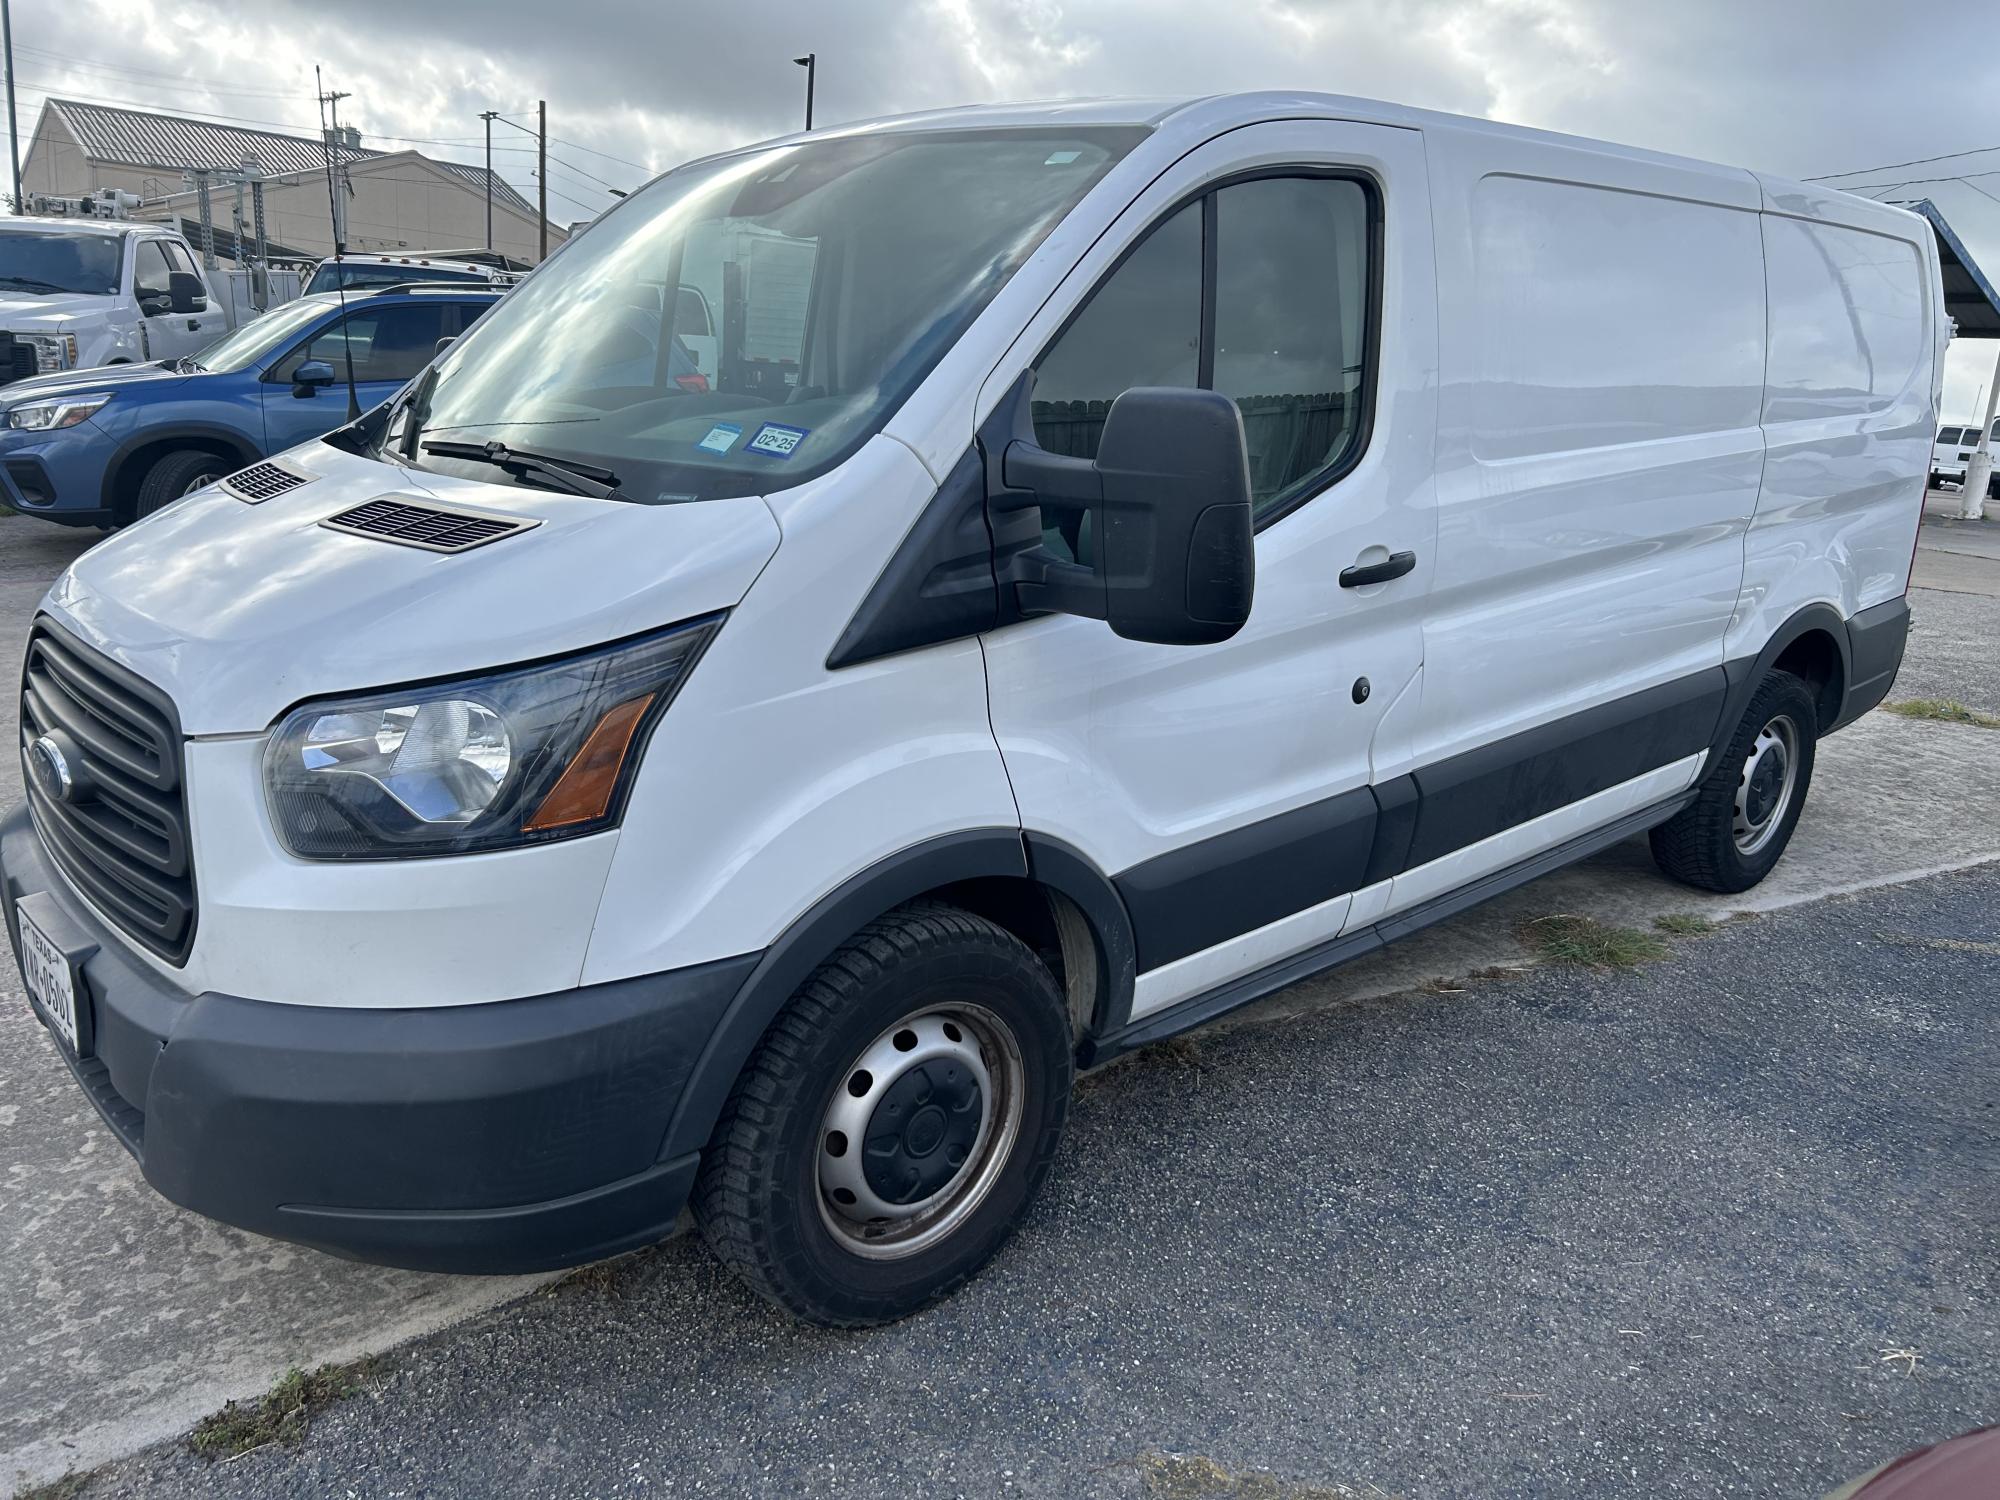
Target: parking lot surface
{"points": [[1660, 1232], [129, 1319]]}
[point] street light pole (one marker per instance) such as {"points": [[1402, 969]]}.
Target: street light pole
{"points": [[13, 131], [810, 62], [489, 117]]}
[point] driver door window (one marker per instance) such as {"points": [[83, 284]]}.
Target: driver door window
{"points": [[1276, 317], [389, 344], [149, 274]]}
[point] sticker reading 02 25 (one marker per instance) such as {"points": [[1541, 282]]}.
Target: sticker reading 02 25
{"points": [[777, 440]]}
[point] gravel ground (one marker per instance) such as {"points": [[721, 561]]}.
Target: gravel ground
{"points": [[1954, 649], [1571, 1233]]}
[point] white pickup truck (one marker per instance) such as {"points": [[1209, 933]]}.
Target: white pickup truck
{"points": [[76, 293]]}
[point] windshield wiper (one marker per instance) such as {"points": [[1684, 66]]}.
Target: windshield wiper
{"points": [[30, 283], [564, 474]]}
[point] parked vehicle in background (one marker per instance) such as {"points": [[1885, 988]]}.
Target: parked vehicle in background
{"points": [[1953, 450], [81, 292], [105, 447], [1133, 556], [366, 272]]}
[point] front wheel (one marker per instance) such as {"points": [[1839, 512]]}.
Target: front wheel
{"points": [[177, 474], [894, 1123], [1740, 821]]}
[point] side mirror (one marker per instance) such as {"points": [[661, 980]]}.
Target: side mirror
{"points": [[1173, 557], [185, 292], [309, 377]]}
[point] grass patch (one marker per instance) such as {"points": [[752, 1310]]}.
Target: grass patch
{"points": [[1585, 941], [1684, 924], [1192, 1476], [71, 1484], [282, 1415], [1943, 711]]}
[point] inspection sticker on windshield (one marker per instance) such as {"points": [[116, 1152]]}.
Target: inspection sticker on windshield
{"points": [[721, 437], [777, 440]]}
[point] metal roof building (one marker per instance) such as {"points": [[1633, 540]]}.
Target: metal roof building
{"points": [[398, 200]]}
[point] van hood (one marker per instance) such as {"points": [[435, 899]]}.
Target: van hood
{"points": [[240, 611]]}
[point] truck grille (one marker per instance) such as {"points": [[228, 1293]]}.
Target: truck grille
{"points": [[17, 360], [121, 835]]}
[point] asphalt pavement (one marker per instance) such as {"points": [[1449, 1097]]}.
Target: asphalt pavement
{"points": [[1727, 1224]]}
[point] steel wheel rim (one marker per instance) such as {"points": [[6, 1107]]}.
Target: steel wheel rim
{"points": [[1765, 789], [856, 1175]]}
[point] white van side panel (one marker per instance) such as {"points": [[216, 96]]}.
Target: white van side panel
{"points": [[1602, 329], [772, 780], [1849, 408]]}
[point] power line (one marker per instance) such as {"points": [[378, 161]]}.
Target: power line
{"points": [[1890, 166], [69, 64], [1965, 177]]}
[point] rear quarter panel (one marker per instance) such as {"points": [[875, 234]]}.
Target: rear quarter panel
{"points": [[1850, 411]]}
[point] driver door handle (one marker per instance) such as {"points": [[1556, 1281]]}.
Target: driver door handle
{"points": [[1362, 574]]}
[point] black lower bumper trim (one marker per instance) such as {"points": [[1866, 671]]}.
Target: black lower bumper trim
{"points": [[516, 1135]]}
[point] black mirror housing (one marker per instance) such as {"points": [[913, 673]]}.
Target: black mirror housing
{"points": [[185, 292], [309, 377], [1169, 493]]}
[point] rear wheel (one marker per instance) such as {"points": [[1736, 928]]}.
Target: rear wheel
{"points": [[1737, 827], [895, 1121], [177, 474]]}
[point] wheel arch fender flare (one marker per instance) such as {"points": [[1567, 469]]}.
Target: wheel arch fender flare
{"points": [[970, 854], [203, 433], [1746, 672]]}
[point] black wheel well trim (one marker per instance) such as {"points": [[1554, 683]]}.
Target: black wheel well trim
{"points": [[1746, 672], [948, 859], [193, 433]]}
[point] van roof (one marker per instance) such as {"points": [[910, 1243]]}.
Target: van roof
{"points": [[1199, 117]]}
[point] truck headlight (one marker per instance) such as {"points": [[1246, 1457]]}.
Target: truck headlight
{"points": [[58, 411], [516, 757], [53, 351]]}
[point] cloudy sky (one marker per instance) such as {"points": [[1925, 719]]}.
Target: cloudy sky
{"points": [[1802, 87]]}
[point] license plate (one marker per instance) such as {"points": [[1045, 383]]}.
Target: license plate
{"points": [[51, 980]]}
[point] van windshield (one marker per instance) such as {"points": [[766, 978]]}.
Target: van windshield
{"points": [[812, 287]]}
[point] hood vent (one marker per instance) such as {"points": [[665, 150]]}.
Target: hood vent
{"points": [[264, 481], [434, 528]]}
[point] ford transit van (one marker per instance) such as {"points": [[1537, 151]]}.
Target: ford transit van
{"points": [[1129, 557]]}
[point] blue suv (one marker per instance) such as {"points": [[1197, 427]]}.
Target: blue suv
{"points": [[103, 447]]}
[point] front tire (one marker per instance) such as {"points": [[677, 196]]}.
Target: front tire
{"points": [[894, 1123], [177, 474], [1736, 829]]}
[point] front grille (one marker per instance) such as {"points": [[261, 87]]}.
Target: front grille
{"points": [[432, 527], [263, 481], [121, 838], [17, 360]]}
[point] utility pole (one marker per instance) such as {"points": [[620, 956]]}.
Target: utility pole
{"points": [[336, 175], [489, 117], [1979, 468], [542, 174], [810, 62], [13, 131]]}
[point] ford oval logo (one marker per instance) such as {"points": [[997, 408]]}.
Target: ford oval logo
{"points": [[51, 770]]}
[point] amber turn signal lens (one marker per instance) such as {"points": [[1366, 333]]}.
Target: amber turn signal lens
{"points": [[584, 791]]}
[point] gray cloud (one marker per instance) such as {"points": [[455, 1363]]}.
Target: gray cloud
{"points": [[1793, 88]]}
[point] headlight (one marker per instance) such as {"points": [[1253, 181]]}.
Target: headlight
{"points": [[58, 411], [517, 757], [53, 351]]}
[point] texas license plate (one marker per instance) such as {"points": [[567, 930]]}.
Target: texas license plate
{"points": [[51, 980]]}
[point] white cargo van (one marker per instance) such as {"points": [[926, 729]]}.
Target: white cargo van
{"points": [[1179, 548], [1952, 451]]}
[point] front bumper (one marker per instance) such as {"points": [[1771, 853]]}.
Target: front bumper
{"points": [[517, 1135]]}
